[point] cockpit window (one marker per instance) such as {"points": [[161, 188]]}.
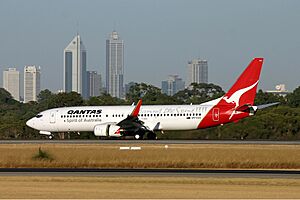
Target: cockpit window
{"points": [[39, 115]]}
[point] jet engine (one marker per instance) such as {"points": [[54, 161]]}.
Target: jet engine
{"points": [[107, 130]]}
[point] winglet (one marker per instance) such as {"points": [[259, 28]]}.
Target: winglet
{"points": [[136, 110]]}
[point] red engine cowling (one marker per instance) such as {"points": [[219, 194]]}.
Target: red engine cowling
{"points": [[107, 130]]}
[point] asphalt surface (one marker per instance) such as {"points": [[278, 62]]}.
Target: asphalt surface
{"points": [[292, 174], [262, 142]]}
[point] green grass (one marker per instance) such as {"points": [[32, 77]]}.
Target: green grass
{"points": [[214, 156], [42, 155]]}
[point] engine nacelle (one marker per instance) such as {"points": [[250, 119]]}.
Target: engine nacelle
{"points": [[45, 133], [107, 130]]}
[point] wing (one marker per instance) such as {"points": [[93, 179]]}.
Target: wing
{"points": [[132, 122]]}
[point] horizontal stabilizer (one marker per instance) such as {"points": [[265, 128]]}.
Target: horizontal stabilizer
{"points": [[263, 106]]}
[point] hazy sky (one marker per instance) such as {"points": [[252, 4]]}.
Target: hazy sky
{"points": [[160, 37]]}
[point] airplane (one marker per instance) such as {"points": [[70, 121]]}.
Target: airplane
{"points": [[142, 121]]}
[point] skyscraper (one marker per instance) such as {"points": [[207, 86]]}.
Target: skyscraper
{"points": [[75, 67], [11, 82], [94, 83], [173, 85], [32, 86], [115, 65], [197, 71]]}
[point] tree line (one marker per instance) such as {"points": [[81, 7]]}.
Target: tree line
{"points": [[281, 122]]}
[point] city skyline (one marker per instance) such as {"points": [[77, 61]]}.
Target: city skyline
{"points": [[228, 34]]}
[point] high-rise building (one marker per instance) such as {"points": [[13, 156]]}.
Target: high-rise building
{"points": [[173, 85], [11, 82], [197, 71], [75, 67], [32, 85], [94, 83], [115, 65]]}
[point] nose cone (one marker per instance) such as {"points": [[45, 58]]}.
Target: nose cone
{"points": [[30, 123]]}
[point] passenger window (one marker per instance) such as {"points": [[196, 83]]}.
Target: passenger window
{"points": [[39, 116]]}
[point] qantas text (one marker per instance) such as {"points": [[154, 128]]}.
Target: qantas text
{"points": [[82, 112]]}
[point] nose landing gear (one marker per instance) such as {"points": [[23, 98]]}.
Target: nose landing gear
{"points": [[50, 137]]}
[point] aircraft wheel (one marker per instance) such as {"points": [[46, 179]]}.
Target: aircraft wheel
{"points": [[138, 137], [50, 137]]}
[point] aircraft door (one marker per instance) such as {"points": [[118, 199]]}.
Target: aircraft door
{"points": [[216, 114], [53, 117]]}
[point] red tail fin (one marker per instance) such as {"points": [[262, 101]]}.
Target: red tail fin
{"points": [[233, 105], [243, 90]]}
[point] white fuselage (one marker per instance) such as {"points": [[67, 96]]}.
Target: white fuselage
{"points": [[155, 117]]}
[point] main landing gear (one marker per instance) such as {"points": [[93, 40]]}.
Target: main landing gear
{"points": [[149, 136], [138, 137]]}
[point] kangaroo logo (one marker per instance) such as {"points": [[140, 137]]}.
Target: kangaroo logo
{"points": [[235, 97]]}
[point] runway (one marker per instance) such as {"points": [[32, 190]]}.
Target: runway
{"points": [[246, 142], [96, 172]]}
